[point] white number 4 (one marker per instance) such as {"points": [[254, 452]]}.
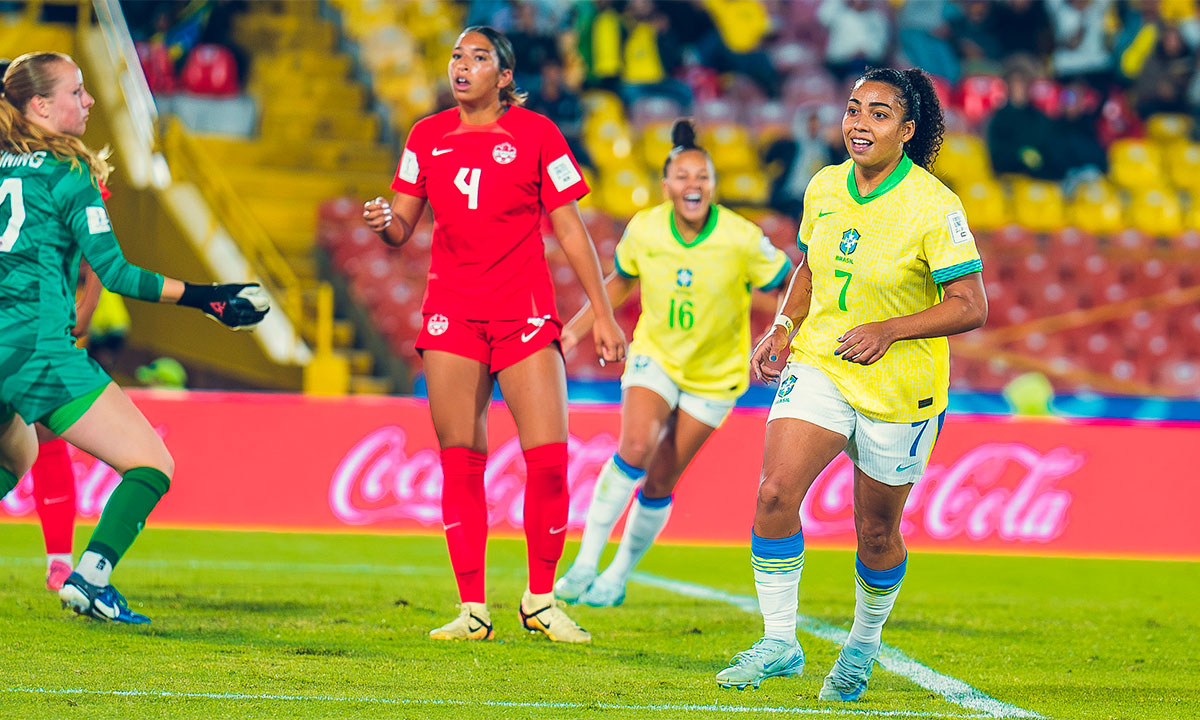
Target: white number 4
{"points": [[12, 188], [467, 183]]}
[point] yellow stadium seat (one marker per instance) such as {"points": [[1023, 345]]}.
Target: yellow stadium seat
{"points": [[1157, 212], [624, 192], [963, 160], [1183, 166], [746, 187], [601, 106], [1136, 165], [1169, 127], [610, 144], [986, 205], [589, 200], [731, 148], [1038, 206], [656, 144], [1096, 208]]}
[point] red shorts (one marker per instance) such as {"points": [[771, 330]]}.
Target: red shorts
{"points": [[495, 343]]}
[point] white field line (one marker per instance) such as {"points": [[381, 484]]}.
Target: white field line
{"points": [[893, 660], [722, 709]]}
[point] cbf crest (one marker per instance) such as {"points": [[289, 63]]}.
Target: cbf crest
{"points": [[683, 278], [849, 241]]}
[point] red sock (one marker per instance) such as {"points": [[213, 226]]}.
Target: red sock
{"points": [[546, 507], [54, 494], [464, 517]]}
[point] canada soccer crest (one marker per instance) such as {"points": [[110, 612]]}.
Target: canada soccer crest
{"points": [[437, 324], [504, 153]]}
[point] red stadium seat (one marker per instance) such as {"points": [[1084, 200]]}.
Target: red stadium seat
{"points": [[980, 96], [211, 70], [158, 67]]}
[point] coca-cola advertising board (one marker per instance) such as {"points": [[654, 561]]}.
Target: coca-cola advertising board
{"points": [[371, 464]]}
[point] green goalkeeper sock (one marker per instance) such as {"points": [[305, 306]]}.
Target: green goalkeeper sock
{"points": [[8, 481], [125, 514]]}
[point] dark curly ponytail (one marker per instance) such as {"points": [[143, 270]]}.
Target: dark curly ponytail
{"points": [[921, 105], [683, 138]]}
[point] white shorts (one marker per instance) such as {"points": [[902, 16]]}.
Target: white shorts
{"points": [[892, 453], [643, 371]]}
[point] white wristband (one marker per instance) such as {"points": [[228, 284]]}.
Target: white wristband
{"points": [[785, 322]]}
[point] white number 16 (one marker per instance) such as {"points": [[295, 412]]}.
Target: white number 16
{"points": [[468, 184]]}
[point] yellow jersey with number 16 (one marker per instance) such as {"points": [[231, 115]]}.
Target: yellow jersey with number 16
{"points": [[879, 257], [695, 320]]}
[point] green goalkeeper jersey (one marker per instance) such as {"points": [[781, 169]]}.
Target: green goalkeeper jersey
{"points": [[50, 214]]}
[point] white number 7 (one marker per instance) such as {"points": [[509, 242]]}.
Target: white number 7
{"points": [[469, 186], [12, 188]]}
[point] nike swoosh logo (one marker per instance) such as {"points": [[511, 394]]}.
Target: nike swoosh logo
{"points": [[451, 526], [555, 531], [823, 214], [437, 152], [902, 468], [525, 337]]}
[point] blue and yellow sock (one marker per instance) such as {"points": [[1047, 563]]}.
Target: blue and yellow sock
{"points": [[778, 563], [875, 593]]}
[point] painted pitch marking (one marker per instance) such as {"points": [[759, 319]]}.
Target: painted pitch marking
{"points": [[893, 660]]}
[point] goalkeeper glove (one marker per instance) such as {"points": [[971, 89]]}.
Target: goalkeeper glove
{"points": [[237, 305]]}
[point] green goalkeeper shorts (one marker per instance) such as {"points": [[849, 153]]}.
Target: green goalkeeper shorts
{"points": [[36, 383]]}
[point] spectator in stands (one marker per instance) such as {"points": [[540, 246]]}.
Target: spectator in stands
{"points": [[1079, 155], [1020, 137], [728, 37], [1022, 27], [800, 157], [975, 38], [601, 38], [924, 35], [1081, 43], [557, 101], [859, 35], [533, 46], [1162, 84], [651, 54]]}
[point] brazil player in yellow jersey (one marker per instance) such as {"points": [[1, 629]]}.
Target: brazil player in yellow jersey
{"points": [[890, 270], [51, 214], [697, 263]]}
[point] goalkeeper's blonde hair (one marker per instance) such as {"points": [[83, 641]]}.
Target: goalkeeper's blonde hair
{"points": [[32, 75]]}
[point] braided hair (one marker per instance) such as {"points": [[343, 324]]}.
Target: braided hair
{"points": [[919, 99]]}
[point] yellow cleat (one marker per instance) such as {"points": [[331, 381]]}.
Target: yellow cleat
{"points": [[473, 623], [549, 619]]}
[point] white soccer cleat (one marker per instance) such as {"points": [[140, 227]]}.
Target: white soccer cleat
{"points": [[473, 623], [550, 620], [574, 583]]}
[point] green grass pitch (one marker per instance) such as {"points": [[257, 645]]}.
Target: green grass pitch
{"points": [[269, 625]]}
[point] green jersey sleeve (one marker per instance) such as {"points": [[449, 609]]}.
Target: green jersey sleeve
{"points": [[84, 213]]}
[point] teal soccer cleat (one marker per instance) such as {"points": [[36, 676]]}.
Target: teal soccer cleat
{"points": [[847, 681], [766, 658], [575, 583], [101, 603], [603, 593]]}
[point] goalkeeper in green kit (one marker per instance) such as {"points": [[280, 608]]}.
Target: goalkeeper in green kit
{"points": [[51, 213]]}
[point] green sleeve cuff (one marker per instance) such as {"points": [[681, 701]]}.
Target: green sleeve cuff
{"points": [[800, 244], [956, 271], [780, 277]]}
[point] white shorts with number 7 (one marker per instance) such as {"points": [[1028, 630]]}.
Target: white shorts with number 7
{"points": [[892, 453]]}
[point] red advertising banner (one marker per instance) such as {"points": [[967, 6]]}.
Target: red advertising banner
{"points": [[371, 464]]}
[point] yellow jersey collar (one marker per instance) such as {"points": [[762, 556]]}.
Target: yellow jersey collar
{"points": [[709, 226]]}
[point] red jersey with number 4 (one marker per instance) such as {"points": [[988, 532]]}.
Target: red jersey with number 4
{"points": [[487, 185]]}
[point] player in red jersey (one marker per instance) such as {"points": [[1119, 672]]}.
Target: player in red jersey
{"points": [[489, 168]]}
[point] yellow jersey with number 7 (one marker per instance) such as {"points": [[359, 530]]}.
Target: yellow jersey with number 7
{"points": [[695, 320], [878, 257]]}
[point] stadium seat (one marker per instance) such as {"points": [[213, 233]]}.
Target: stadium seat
{"points": [[731, 148], [1044, 95], [211, 70], [711, 113], [745, 187], [1183, 167], [812, 88], [1039, 206], [624, 192], [656, 143], [1096, 208], [1157, 212], [609, 142], [986, 205], [963, 160], [158, 67], [1135, 165], [654, 109], [1167, 128]]}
